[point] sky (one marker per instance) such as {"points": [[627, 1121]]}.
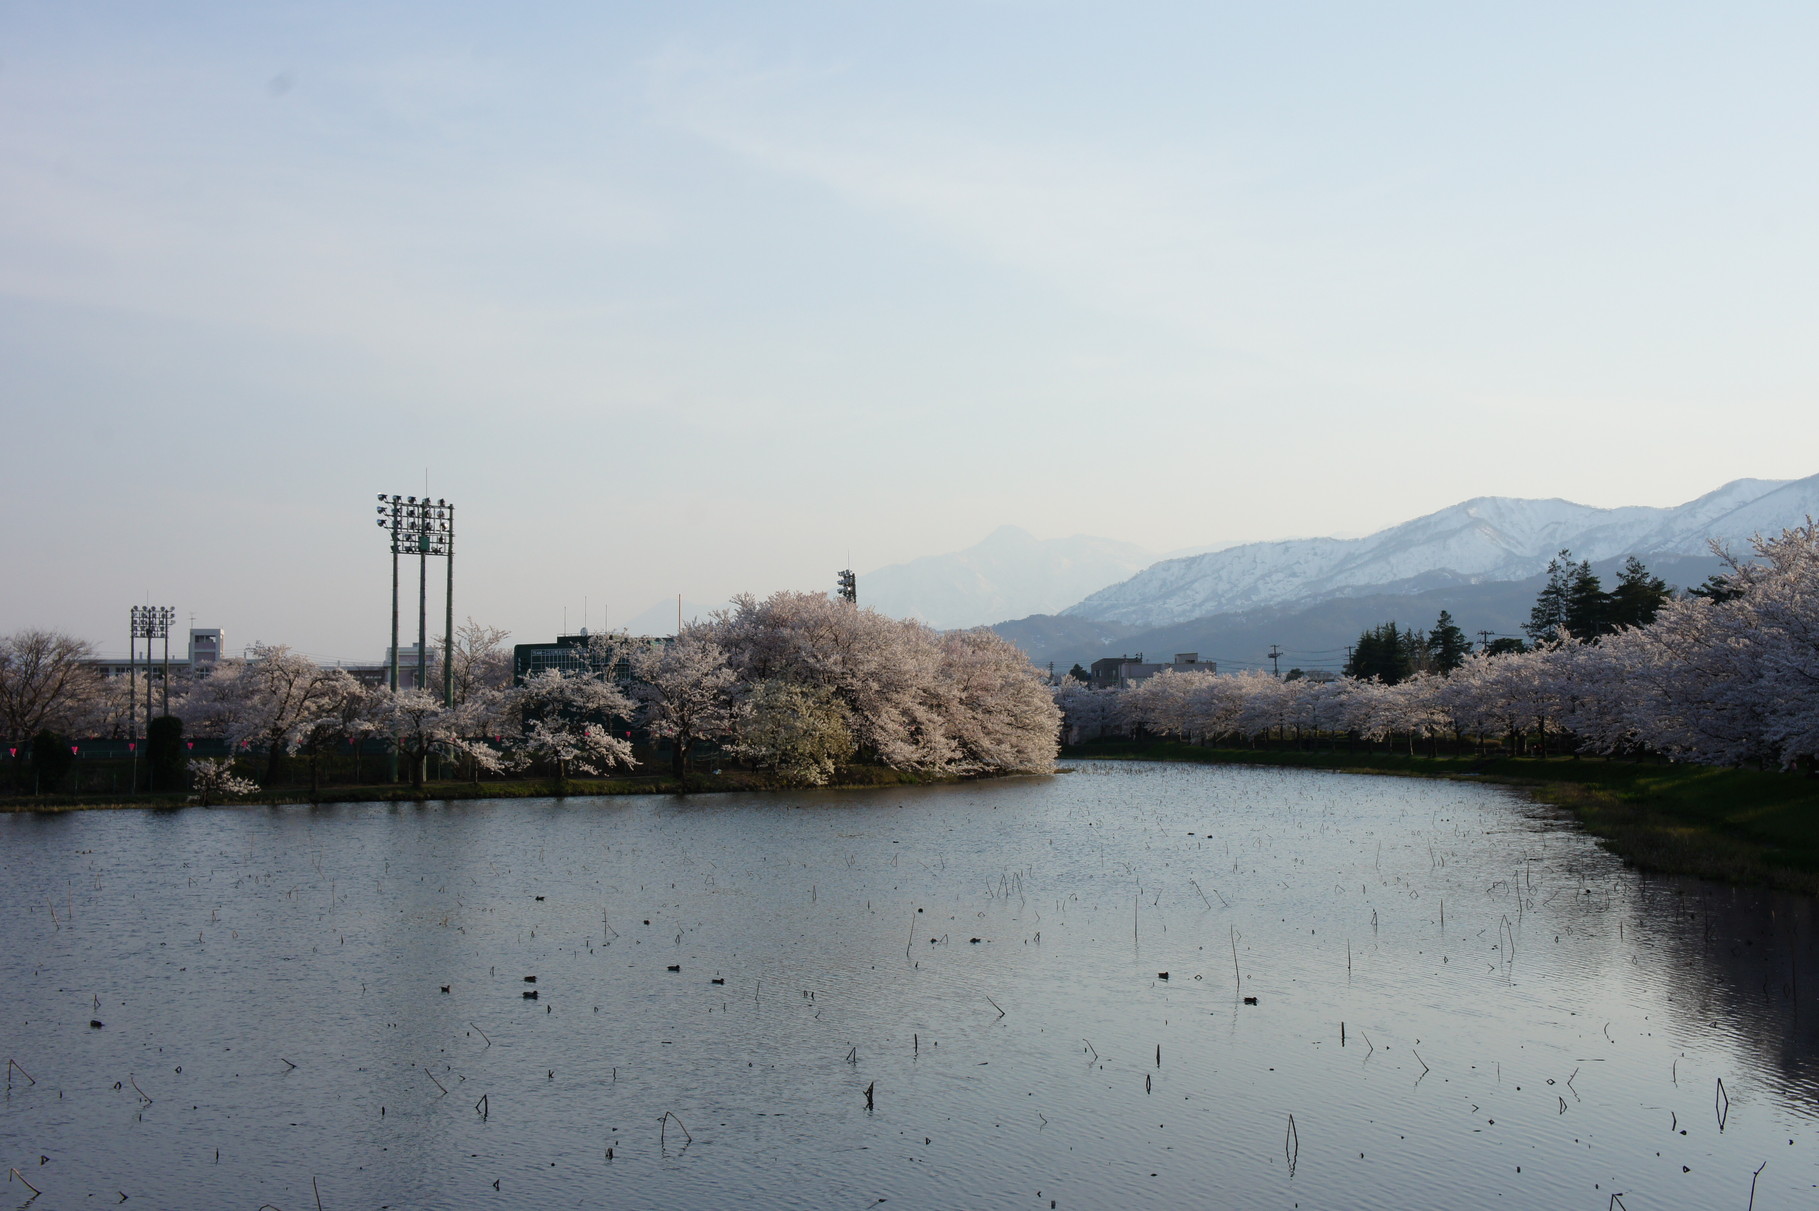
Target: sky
{"points": [[707, 298]]}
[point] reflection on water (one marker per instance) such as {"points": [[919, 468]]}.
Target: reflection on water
{"points": [[1455, 998]]}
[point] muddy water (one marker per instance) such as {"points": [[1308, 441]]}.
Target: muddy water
{"points": [[1457, 1002]]}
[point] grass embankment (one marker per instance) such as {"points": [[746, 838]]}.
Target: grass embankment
{"points": [[1739, 826], [703, 782]]}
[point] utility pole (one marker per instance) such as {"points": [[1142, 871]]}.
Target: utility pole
{"points": [[1276, 661], [1484, 641]]}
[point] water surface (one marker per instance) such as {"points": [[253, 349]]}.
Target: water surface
{"points": [[1457, 999]]}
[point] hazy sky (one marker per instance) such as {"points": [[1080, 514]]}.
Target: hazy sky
{"points": [[701, 297]]}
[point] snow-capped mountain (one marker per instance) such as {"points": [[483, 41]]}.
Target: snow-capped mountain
{"points": [[1491, 538], [1008, 575]]}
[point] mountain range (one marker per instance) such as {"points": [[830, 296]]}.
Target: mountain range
{"points": [[1488, 539], [1075, 599]]}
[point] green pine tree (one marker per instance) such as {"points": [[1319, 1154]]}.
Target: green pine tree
{"points": [[1588, 606], [1716, 588], [1548, 615], [1382, 652], [1448, 644], [1638, 596]]}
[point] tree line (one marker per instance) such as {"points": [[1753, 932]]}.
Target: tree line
{"points": [[796, 684], [1573, 604], [1726, 674]]}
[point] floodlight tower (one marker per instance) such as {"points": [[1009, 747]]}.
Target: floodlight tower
{"points": [[422, 528], [148, 623], [847, 585]]}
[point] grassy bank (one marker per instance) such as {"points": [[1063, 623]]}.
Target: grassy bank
{"points": [[849, 778], [1739, 826]]}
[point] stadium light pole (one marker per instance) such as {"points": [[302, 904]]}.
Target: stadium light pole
{"points": [[391, 518], [148, 623], [422, 527]]}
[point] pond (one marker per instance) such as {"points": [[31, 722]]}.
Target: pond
{"points": [[1378, 993]]}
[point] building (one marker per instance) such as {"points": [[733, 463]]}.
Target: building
{"points": [[573, 654], [1114, 671], [204, 650]]}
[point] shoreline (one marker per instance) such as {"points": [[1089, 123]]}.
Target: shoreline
{"points": [[726, 782], [1743, 827]]}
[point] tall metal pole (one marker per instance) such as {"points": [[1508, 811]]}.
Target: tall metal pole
{"points": [[132, 702], [394, 682], [392, 767], [167, 667], [148, 701], [448, 635], [422, 770], [422, 610]]}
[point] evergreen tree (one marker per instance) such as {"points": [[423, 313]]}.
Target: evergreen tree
{"points": [[51, 758], [1381, 652], [1448, 644], [1638, 596], [1507, 645], [166, 768], [1419, 652], [1548, 615], [1588, 606], [1716, 588]]}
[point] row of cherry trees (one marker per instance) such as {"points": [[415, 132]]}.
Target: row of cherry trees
{"points": [[1728, 679], [797, 683]]}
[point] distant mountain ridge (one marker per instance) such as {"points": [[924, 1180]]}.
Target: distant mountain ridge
{"points": [[1011, 573], [1313, 636], [1489, 538]]}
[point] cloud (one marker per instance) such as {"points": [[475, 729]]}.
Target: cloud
{"points": [[1155, 231]]}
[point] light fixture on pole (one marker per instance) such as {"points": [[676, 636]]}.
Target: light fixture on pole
{"points": [[422, 527], [148, 623]]}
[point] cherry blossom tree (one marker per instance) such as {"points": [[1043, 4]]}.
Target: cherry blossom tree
{"points": [[344, 713], [212, 780], [800, 731], [482, 663], [263, 700], [1000, 714], [1087, 713], [45, 685], [563, 718], [686, 690], [963, 703]]}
